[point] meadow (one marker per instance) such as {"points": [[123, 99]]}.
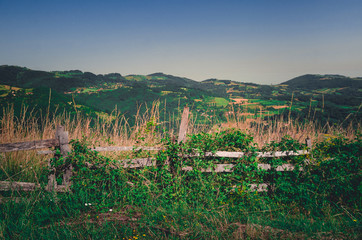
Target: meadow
{"points": [[161, 202]]}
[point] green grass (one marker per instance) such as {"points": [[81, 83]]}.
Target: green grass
{"points": [[163, 202], [221, 101], [218, 101]]}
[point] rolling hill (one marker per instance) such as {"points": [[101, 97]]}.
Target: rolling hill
{"points": [[313, 82], [324, 97]]}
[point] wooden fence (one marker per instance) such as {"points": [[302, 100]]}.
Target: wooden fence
{"points": [[61, 142]]}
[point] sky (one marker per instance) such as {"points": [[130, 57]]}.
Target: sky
{"points": [[259, 41]]}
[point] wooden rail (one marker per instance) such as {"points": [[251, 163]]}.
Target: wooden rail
{"points": [[225, 167], [22, 146], [111, 149], [25, 186]]}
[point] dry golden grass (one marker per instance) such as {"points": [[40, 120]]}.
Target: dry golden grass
{"points": [[265, 131], [148, 130]]}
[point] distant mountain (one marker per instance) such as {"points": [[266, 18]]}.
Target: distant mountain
{"points": [[313, 82]]}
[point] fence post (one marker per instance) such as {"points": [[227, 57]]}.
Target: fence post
{"points": [[308, 142], [184, 125], [63, 138], [181, 137], [52, 182]]}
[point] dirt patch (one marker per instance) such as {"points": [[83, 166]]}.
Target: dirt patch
{"points": [[240, 100], [279, 107], [246, 114]]}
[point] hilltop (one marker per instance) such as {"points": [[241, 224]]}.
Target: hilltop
{"points": [[313, 82]]}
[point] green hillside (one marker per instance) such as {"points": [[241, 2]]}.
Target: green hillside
{"points": [[330, 98]]}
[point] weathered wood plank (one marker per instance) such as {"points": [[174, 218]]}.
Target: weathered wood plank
{"points": [[264, 166], [112, 149], [126, 148], [137, 163], [282, 168], [217, 168], [259, 154], [183, 125], [308, 142], [228, 168], [261, 187], [64, 147], [287, 167], [19, 146], [226, 154], [23, 186], [52, 183], [282, 153], [26, 186]]}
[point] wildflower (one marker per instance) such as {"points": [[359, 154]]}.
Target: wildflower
{"points": [[86, 204], [354, 220], [111, 210]]}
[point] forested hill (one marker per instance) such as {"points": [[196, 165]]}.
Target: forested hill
{"points": [[329, 97], [313, 82], [59, 81], [68, 80]]}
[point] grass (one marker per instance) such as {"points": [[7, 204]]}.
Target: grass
{"points": [[218, 101], [162, 203], [221, 101]]}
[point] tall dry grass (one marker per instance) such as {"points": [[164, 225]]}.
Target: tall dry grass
{"points": [[148, 130], [274, 129]]}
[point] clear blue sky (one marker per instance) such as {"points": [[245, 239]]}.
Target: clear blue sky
{"points": [[261, 41]]}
